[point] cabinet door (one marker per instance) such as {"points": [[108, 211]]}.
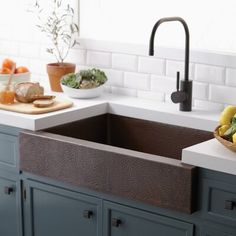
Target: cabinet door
{"points": [[10, 209], [125, 221], [53, 211]]}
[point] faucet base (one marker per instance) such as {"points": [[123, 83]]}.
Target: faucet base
{"points": [[187, 87]]}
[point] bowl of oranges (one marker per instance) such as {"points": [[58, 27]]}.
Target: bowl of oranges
{"points": [[21, 73]]}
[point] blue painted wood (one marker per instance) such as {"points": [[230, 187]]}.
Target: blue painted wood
{"points": [[10, 206], [134, 222], [9, 130], [9, 152], [215, 195], [210, 231], [53, 211]]}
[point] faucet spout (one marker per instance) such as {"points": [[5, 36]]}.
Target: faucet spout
{"points": [[186, 85], [168, 19]]}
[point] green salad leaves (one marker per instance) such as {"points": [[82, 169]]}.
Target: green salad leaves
{"points": [[85, 79]]}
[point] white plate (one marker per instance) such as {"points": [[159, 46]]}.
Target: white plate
{"points": [[83, 93], [17, 78]]}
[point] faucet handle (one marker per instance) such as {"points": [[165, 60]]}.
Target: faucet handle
{"points": [[178, 96], [177, 81]]}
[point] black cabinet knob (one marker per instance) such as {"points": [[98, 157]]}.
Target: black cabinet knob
{"points": [[116, 222], [87, 214], [229, 205], [8, 190]]}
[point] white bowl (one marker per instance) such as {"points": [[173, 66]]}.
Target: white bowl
{"points": [[17, 78], [82, 93]]}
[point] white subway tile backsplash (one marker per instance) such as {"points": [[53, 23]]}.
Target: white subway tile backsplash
{"points": [[223, 94], [29, 50], [98, 58], [124, 91], [173, 66], [129, 74], [77, 56], [163, 84], [158, 96], [210, 74], [200, 90], [151, 65], [124, 62], [38, 67], [206, 105], [9, 48], [231, 77], [107, 89], [115, 77], [136, 81]]}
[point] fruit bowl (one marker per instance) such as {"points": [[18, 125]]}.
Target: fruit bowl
{"points": [[17, 78], [231, 146], [82, 93]]}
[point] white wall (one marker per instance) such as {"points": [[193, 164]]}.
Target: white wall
{"points": [[211, 22]]}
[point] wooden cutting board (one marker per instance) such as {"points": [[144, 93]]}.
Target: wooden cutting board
{"points": [[29, 108]]}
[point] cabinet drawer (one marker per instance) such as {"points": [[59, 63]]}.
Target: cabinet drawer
{"points": [[9, 151], [210, 231], [219, 202], [120, 220]]}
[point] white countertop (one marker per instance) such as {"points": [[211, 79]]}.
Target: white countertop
{"points": [[115, 104], [211, 154]]}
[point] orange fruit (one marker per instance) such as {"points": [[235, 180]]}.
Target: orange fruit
{"points": [[21, 69], [8, 63], [5, 71]]}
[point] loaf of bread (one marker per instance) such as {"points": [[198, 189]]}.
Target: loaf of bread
{"points": [[27, 92]]}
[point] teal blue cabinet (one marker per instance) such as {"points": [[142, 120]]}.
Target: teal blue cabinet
{"points": [[10, 207], [126, 221], [53, 211], [209, 231]]}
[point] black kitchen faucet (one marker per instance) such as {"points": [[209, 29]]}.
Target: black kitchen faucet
{"points": [[183, 95]]}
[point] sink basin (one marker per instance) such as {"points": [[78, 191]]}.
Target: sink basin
{"points": [[123, 156]]}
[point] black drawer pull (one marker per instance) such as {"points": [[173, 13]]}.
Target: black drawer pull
{"points": [[87, 214], [8, 190], [116, 222], [229, 205]]}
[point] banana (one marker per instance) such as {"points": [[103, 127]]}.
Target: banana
{"points": [[223, 129], [227, 115], [234, 138]]}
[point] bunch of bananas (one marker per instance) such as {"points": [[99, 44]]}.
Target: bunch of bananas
{"points": [[227, 129]]}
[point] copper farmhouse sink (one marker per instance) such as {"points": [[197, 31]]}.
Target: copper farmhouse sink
{"points": [[126, 157]]}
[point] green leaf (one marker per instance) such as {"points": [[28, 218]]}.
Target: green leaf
{"points": [[231, 131]]}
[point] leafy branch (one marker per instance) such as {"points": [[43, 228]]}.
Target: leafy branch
{"points": [[59, 26]]}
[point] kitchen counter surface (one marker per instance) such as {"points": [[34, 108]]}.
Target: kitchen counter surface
{"points": [[211, 155], [115, 104]]}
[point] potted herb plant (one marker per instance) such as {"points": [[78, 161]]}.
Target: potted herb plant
{"points": [[57, 22]]}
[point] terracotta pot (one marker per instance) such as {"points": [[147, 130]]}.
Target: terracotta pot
{"points": [[56, 71]]}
